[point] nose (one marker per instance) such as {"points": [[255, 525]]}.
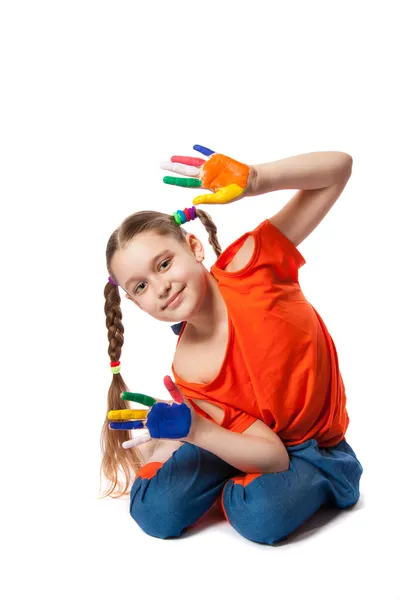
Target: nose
{"points": [[162, 288]]}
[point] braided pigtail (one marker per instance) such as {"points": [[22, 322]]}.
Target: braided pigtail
{"points": [[211, 230], [115, 457]]}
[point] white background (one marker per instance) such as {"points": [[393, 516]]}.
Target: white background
{"points": [[94, 95]]}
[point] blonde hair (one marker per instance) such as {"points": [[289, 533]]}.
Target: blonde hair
{"points": [[116, 460]]}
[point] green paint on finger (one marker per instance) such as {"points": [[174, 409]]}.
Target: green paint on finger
{"points": [[183, 182], [141, 398]]}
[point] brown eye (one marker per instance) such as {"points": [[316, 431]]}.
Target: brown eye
{"points": [[142, 283], [137, 288], [165, 261]]}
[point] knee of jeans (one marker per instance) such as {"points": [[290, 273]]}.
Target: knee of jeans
{"points": [[256, 527], [267, 530], [156, 512], [258, 521], [155, 518]]}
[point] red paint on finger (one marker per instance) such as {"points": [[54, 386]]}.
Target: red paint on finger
{"points": [[173, 390], [188, 160]]}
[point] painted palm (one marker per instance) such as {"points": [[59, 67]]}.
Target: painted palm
{"points": [[224, 176]]}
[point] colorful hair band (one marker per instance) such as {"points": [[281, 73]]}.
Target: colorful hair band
{"points": [[185, 215], [115, 367]]}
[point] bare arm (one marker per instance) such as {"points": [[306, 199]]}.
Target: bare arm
{"points": [[320, 177], [311, 171], [257, 450]]}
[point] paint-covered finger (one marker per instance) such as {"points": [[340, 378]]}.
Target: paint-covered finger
{"points": [[141, 439], [173, 390], [188, 160], [181, 169], [222, 196], [126, 425], [189, 183], [126, 414], [140, 398], [203, 150]]}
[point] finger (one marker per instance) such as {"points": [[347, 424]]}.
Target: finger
{"points": [[140, 439], [126, 425], [173, 390], [188, 160], [181, 169], [222, 196], [140, 398], [190, 183], [126, 414], [203, 150]]}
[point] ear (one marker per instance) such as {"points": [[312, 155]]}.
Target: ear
{"points": [[195, 246]]}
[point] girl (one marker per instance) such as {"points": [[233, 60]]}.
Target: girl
{"points": [[264, 400]]}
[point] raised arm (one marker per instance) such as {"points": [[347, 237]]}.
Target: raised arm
{"points": [[320, 178]]}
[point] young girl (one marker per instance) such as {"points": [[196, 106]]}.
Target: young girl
{"points": [[254, 360]]}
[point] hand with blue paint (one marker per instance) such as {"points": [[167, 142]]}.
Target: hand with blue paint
{"points": [[229, 179], [165, 419]]}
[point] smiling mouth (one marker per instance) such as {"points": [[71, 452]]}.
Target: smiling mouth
{"points": [[173, 298]]}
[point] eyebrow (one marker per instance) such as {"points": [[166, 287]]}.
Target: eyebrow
{"points": [[134, 277]]}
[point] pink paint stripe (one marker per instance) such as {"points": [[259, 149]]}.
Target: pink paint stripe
{"points": [[188, 160], [173, 390]]}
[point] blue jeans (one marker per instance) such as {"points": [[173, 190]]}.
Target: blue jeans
{"points": [[262, 507]]}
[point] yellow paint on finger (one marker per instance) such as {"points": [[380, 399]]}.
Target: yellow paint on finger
{"points": [[223, 196], [126, 414]]}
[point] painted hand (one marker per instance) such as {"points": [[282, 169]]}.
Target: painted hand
{"points": [[164, 419], [226, 177]]}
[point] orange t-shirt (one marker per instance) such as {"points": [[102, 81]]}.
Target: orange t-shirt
{"points": [[280, 363]]}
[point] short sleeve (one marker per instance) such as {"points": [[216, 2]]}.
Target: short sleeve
{"points": [[239, 421], [275, 250]]}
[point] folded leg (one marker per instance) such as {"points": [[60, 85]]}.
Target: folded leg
{"points": [[267, 507], [168, 497]]}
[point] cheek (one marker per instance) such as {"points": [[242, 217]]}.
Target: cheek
{"points": [[198, 285], [181, 272]]}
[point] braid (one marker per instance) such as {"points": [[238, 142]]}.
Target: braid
{"points": [[211, 230], [112, 309], [114, 455]]}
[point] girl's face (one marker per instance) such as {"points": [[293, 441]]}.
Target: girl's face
{"points": [[154, 268]]}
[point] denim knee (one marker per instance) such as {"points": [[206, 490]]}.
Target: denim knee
{"points": [[157, 513], [180, 492], [259, 520]]}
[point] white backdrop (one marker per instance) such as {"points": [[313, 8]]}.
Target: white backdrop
{"points": [[94, 96]]}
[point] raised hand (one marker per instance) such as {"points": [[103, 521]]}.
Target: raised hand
{"points": [[163, 419], [226, 177]]}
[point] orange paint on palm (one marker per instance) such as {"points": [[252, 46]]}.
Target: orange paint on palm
{"points": [[220, 171]]}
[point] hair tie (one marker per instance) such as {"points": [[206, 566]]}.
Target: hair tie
{"points": [[112, 281], [183, 216], [115, 366]]}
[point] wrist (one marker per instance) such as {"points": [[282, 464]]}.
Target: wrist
{"points": [[205, 432], [197, 427], [252, 181]]}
